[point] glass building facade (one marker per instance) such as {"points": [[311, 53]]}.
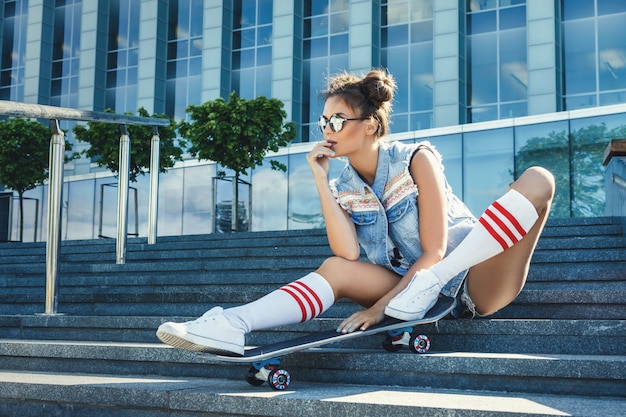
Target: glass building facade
{"points": [[496, 85]]}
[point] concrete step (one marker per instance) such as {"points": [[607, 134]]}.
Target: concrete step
{"points": [[593, 375], [96, 395], [589, 337]]}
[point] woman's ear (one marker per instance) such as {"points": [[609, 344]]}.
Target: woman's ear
{"points": [[372, 126]]}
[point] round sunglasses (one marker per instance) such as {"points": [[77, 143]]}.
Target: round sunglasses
{"points": [[336, 122]]}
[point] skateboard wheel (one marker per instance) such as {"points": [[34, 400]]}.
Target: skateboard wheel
{"points": [[279, 379], [420, 343], [252, 379]]}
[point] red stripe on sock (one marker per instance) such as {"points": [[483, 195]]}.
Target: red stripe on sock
{"points": [[305, 296], [503, 227], [314, 295], [511, 218], [295, 297], [493, 233]]}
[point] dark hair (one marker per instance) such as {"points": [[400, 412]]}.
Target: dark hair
{"points": [[370, 96]]}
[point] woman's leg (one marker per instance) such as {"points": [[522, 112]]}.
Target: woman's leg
{"points": [[494, 283], [223, 330], [507, 230]]}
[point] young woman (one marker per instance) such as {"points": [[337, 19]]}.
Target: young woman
{"points": [[393, 201]]}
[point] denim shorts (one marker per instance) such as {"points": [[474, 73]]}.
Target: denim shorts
{"points": [[465, 307]]}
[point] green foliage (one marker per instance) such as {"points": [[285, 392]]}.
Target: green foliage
{"points": [[104, 141], [237, 134], [24, 157], [23, 154]]}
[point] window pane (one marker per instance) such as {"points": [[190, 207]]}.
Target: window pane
{"points": [[487, 169], [451, 149], [577, 9], [482, 22], [269, 196], [612, 52], [546, 145], [580, 63], [483, 69], [513, 69]]}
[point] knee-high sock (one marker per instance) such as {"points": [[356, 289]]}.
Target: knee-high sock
{"points": [[296, 302], [504, 223]]}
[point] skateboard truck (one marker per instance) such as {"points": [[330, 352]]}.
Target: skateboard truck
{"points": [[269, 371]]}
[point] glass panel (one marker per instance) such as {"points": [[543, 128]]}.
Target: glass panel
{"points": [[198, 199], [339, 22], [266, 10], [611, 7], [339, 5], [396, 35], [269, 197], [577, 9], [509, 110], [170, 207], [398, 67], [482, 22], [304, 210], [422, 31], [319, 26], [580, 58], [487, 169], [264, 35], [513, 17], [513, 70], [546, 145], [264, 56], [483, 69], [612, 52], [483, 114], [580, 102], [421, 89], [451, 148], [397, 13], [248, 13], [339, 44], [590, 137], [421, 10], [476, 5], [264, 81]]}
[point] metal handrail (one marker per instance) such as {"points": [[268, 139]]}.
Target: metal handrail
{"points": [[55, 178]]}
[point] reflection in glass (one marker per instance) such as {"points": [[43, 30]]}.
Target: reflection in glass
{"points": [[198, 199], [546, 145], [269, 197], [451, 149], [487, 167], [589, 138]]}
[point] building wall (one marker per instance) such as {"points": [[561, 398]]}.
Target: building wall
{"points": [[492, 84]]}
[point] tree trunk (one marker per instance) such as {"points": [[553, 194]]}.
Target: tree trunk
{"points": [[21, 194], [234, 211]]}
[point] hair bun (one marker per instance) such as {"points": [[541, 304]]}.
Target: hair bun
{"points": [[378, 86]]}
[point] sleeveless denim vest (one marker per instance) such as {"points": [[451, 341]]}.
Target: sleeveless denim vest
{"points": [[386, 214]]}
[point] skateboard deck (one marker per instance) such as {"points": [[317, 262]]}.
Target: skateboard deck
{"points": [[265, 359]]}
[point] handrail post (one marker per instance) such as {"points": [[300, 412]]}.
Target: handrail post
{"points": [[153, 198], [122, 196], [55, 190]]}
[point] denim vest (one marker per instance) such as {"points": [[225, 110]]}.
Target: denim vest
{"points": [[386, 214]]}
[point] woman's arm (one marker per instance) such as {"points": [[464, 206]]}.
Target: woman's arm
{"points": [[339, 227]]}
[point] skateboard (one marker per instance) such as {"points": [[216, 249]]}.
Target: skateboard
{"points": [[265, 360]]}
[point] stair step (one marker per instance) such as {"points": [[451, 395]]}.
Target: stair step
{"points": [[73, 395], [559, 374]]}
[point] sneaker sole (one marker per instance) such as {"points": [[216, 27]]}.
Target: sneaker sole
{"points": [[181, 343]]}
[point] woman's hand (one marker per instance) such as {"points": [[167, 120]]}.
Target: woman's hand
{"points": [[318, 158], [362, 320]]}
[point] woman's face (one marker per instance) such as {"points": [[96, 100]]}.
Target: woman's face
{"points": [[352, 135]]}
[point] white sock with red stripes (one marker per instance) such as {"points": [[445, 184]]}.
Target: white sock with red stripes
{"points": [[298, 301], [503, 224]]}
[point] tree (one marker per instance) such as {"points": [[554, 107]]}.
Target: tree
{"points": [[104, 141], [237, 134], [24, 157]]}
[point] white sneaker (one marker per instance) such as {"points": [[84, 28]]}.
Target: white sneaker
{"points": [[416, 299], [211, 333]]}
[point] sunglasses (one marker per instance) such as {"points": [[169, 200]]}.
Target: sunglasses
{"points": [[336, 122]]}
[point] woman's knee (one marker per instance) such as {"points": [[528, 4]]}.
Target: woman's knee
{"points": [[538, 185]]}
